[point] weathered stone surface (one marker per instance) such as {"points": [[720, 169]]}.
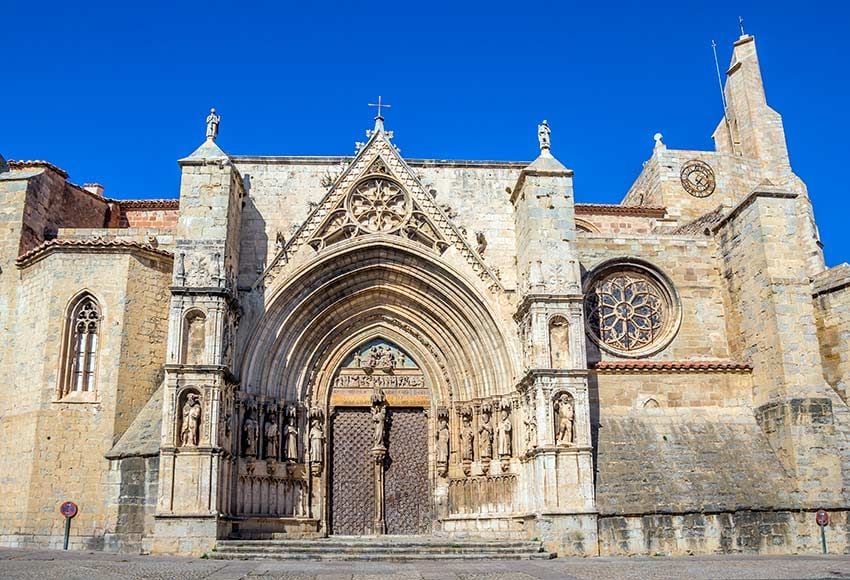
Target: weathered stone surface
{"points": [[663, 376]]}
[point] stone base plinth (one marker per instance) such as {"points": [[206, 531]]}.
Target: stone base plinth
{"points": [[188, 535]]}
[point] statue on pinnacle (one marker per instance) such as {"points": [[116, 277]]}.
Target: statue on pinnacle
{"points": [[543, 132], [213, 120]]}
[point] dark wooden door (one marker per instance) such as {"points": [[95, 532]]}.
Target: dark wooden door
{"points": [[352, 486], [407, 495]]}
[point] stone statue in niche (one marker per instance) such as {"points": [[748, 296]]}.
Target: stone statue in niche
{"points": [[317, 442], [485, 434], [443, 437], [565, 419], [291, 436], [559, 343], [252, 433], [467, 437], [272, 436], [531, 432], [505, 428], [191, 421], [379, 418]]}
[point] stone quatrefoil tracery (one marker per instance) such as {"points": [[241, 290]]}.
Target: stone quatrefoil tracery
{"points": [[627, 311], [378, 205]]}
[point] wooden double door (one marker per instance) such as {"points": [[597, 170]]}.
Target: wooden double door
{"points": [[407, 502]]}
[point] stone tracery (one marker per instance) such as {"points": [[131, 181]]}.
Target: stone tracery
{"points": [[629, 310]]}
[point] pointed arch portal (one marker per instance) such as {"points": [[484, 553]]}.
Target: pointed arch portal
{"points": [[376, 316]]}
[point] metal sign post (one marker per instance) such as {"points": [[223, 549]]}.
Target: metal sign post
{"points": [[822, 518], [69, 510]]}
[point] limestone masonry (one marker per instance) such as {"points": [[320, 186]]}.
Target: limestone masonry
{"points": [[300, 347]]}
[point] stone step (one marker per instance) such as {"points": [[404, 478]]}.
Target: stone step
{"points": [[378, 556], [374, 549]]}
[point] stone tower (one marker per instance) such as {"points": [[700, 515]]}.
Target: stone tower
{"points": [[197, 402], [558, 465]]}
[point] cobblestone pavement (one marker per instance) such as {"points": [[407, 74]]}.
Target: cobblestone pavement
{"points": [[45, 564]]}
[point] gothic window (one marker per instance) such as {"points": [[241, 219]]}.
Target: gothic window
{"points": [[80, 363], [631, 310], [194, 338], [559, 343]]}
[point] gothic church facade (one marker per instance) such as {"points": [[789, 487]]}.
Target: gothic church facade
{"points": [[311, 346]]}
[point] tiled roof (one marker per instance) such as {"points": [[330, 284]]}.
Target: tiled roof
{"points": [[84, 245], [671, 365], [37, 163], [613, 209], [148, 203]]}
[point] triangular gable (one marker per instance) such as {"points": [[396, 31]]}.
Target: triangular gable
{"points": [[344, 213]]}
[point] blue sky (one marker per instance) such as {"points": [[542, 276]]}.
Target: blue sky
{"points": [[117, 92]]}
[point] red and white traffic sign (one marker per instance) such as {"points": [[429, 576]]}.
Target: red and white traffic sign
{"points": [[822, 518], [68, 509]]}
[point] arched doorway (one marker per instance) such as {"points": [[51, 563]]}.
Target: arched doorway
{"points": [[379, 477]]}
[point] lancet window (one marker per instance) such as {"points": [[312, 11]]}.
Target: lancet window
{"points": [[80, 364]]}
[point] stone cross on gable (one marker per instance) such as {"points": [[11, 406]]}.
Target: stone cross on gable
{"points": [[379, 104]]}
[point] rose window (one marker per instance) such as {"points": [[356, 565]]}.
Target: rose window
{"points": [[630, 311], [378, 205]]}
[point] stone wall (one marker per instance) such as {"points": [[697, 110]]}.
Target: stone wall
{"points": [[832, 311], [691, 264], [743, 531], [280, 192], [65, 459]]}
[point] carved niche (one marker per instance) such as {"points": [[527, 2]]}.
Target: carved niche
{"points": [[559, 343], [189, 418], [564, 414]]}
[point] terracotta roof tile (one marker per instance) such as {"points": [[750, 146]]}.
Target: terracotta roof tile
{"points": [[132, 204], [671, 365], [37, 163], [614, 209], [94, 243]]}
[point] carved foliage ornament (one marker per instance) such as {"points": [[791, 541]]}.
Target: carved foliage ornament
{"points": [[630, 311], [697, 178]]}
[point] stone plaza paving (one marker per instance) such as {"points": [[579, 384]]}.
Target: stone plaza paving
{"points": [[43, 564]]}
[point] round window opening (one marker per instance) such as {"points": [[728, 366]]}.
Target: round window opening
{"points": [[378, 205], [630, 310]]}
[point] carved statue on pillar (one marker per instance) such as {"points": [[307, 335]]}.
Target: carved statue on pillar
{"points": [[485, 434], [565, 419], [379, 417], [291, 435], [272, 436], [252, 431], [317, 441], [443, 436], [505, 437], [191, 421], [467, 440], [531, 431]]}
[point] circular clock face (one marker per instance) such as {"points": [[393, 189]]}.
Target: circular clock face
{"points": [[698, 178]]}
